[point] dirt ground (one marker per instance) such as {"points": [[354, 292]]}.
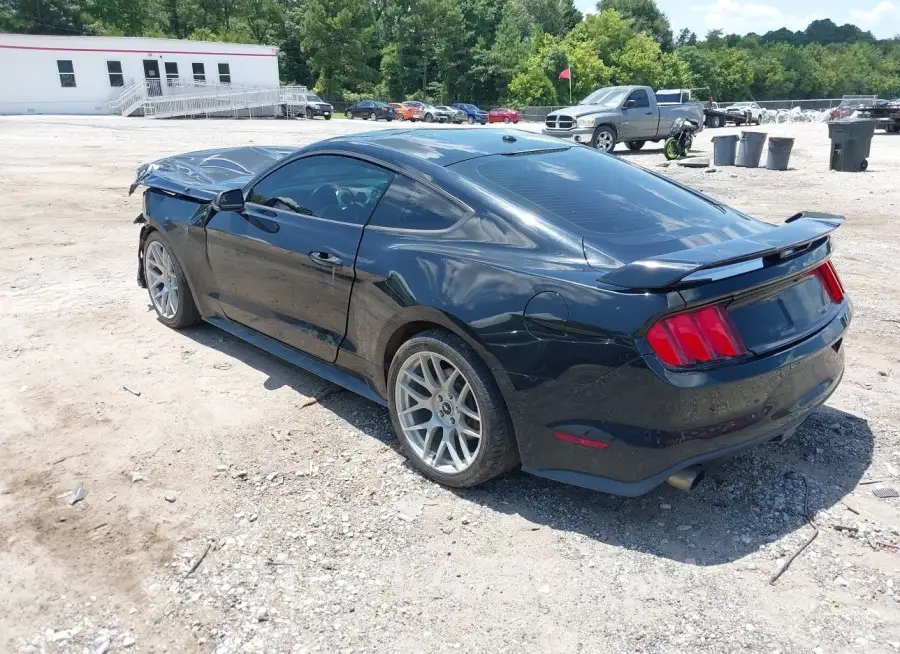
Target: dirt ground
{"points": [[318, 537]]}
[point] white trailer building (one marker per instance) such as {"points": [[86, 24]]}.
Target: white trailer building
{"points": [[83, 74]]}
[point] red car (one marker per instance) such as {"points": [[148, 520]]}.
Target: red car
{"points": [[502, 115]]}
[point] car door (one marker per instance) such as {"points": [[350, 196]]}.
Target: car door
{"points": [[285, 266], [642, 120]]}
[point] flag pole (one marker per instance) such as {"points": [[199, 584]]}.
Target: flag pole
{"points": [[570, 82]]}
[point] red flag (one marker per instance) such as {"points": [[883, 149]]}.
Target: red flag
{"points": [[566, 74]]}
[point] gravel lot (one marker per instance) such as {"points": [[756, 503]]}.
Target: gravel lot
{"points": [[318, 537]]}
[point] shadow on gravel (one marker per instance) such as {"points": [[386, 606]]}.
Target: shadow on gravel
{"points": [[366, 416], [743, 503], [649, 150]]}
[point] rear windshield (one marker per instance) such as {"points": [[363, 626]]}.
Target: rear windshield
{"points": [[621, 209], [669, 98]]}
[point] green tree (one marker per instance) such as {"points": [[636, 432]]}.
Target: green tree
{"points": [[337, 38], [646, 17], [531, 86]]}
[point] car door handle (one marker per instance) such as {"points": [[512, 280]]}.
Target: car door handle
{"points": [[326, 259], [649, 113]]}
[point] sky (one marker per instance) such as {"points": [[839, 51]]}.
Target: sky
{"points": [[881, 17]]}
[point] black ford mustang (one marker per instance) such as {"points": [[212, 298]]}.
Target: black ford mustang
{"points": [[510, 299]]}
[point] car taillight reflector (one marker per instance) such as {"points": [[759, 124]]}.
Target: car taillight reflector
{"points": [[832, 282], [699, 336]]}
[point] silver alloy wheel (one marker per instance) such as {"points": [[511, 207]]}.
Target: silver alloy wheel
{"points": [[438, 412], [162, 281], [605, 141]]}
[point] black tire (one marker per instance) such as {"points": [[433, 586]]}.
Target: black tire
{"points": [[186, 313], [498, 452], [328, 117], [506, 120], [471, 120], [596, 138], [309, 113], [373, 116], [864, 166], [429, 118], [634, 146]]}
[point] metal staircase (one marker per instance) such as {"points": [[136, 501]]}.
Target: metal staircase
{"points": [[182, 99]]}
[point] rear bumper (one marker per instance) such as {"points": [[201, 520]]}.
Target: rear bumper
{"points": [[656, 422]]}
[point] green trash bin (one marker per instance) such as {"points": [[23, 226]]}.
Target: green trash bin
{"points": [[851, 141]]}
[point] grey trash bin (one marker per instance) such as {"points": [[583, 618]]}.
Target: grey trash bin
{"points": [[779, 153], [750, 152], [724, 149], [851, 142]]}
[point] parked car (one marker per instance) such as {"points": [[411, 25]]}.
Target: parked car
{"points": [[427, 112], [457, 116], [752, 111], [503, 115], [444, 114], [371, 110], [316, 106], [644, 331], [618, 114], [473, 113], [405, 113]]}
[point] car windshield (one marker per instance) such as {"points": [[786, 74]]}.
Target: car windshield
{"points": [[313, 98], [741, 104], [622, 209], [609, 97]]}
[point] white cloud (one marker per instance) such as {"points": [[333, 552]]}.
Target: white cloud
{"points": [[736, 17], [883, 11]]}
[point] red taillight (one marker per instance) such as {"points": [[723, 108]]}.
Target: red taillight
{"points": [[831, 281], [698, 336]]}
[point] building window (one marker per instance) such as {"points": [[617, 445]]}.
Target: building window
{"points": [[66, 73], [224, 74], [199, 72], [114, 68], [171, 73]]}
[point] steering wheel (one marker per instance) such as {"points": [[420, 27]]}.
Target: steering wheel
{"points": [[324, 201]]}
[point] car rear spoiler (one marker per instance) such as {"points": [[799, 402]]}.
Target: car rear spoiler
{"points": [[727, 259]]}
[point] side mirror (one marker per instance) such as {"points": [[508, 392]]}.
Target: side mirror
{"points": [[630, 104], [232, 200]]}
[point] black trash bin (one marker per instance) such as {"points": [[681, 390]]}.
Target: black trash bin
{"points": [[851, 141]]}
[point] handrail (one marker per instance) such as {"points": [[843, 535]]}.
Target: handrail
{"points": [[191, 98]]}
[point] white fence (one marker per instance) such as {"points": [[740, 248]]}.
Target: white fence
{"points": [[776, 110]]}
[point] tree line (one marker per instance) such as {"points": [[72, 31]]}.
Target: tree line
{"points": [[493, 51]]}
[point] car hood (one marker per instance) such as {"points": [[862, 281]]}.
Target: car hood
{"points": [[321, 105], [202, 175], [580, 110]]}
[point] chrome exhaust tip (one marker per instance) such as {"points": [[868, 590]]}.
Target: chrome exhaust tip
{"points": [[686, 479]]}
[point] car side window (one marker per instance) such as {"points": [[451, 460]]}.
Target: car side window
{"points": [[324, 186], [365, 104], [411, 205], [640, 98]]}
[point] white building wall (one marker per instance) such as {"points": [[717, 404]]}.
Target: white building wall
{"points": [[30, 81]]}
